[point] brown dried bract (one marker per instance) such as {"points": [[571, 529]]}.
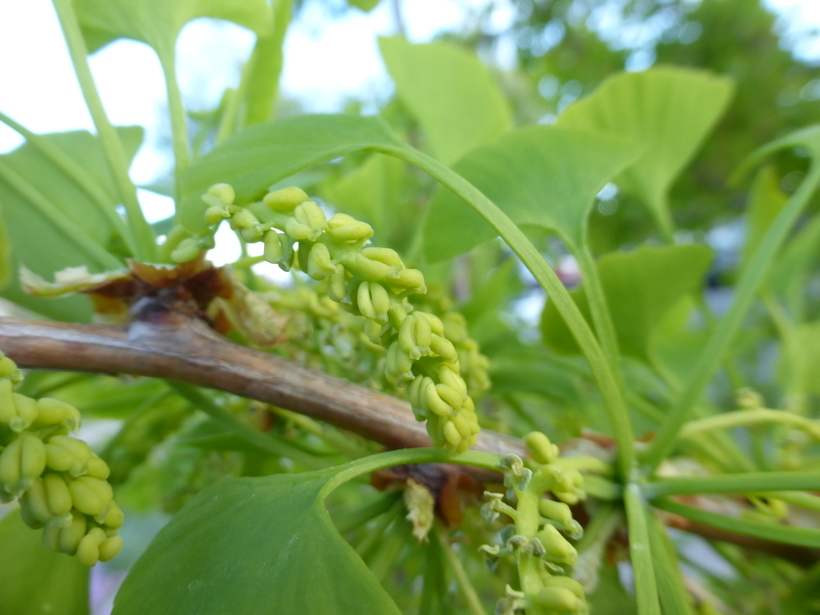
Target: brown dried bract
{"points": [[451, 488]]}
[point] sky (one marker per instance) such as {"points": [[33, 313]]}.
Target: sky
{"points": [[326, 61]]}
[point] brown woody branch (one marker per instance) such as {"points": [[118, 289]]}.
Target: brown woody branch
{"points": [[188, 351]]}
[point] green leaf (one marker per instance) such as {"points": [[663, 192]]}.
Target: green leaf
{"points": [[30, 227], [364, 5], [5, 253], [158, 22], [787, 534], [641, 287], [253, 545], [34, 580], [372, 193], [766, 199], [544, 176], [669, 110], [807, 357], [450, 93], [261, 155]]}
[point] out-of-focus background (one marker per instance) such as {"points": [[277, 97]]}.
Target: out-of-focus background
{"points": [[544, 53], [549, 52]]}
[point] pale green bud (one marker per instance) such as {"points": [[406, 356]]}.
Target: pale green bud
{"points": [[337, 285], [243, 219], [369, 269], [35, 504], [380, 300], [301, 232], [339, 220], [274, 250], [435, 403], [567, 583], [224, 192], [55, 412], [541, 449], [559, 600], [407, 338], [311, 215], [70, 537], [8, 368], [451, 434], [443, 348], [557, 511], [67, 454], [384, 255], [8, 411], [91, 496], [364, 303], [186, 250], [115, 517], [88, 551], [285, 199], [110, 548], [57, 494], [352, 231], [97, 468], [320, 265], [558, 547], [216, 214], [26, 410], [436, 326], [410, 278], [20, 462]]}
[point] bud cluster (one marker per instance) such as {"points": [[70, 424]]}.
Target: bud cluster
{"points": [[368, 281], [60, 483], [538, 539]]}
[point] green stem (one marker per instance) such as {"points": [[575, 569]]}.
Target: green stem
{"points": [[796, 498], [637, 516], [787, 534], [526, 524], [722, 335], [143, 233], [734, 483], [179, 121], [599, 308], [224, 417], [468, 592], [371, 541], [266, 67], [74, 233], [673, 595], [80, 176], [549, 281], [332, 437], [739, 418]]}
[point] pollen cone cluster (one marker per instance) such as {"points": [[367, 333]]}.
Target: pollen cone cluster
{"points": [[59, 482]]}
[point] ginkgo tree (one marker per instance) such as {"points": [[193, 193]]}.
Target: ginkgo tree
{"points": [[385, 433]]}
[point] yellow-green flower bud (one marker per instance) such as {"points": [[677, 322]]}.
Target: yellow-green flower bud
{"points": [[337, 285], [364, 303], [285, 199], [451, 434], [224, 192], [435, 403], [567, 583], [8, 368], [384, 255], [557, 511], [67, 454], [380, 299], [541, 449], [97, 468], [352, 231], [68, 538], [311, 215], [398, 367], [273, 247], [110, 548], [57, 494], [301, 232], [34, 504], [55, 412], [26, 412], [243, 219], [370, 269], [7, 409], [186, 250], [91, 496], [20, 462], [559, 600], [556, 546], [407, 338], [320, 265], [409, 278], [115, 517], [443, 347], [88, 551], [216, 214]]}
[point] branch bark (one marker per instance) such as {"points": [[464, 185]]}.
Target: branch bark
{"points": [[188, 351]]}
